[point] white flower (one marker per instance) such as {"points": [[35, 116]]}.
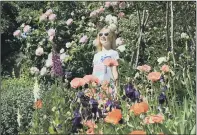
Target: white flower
{"points": [[69, 21], [49, 62], [121, 48], [23, 25], [72, 13], [39, 51], [19, 116], [36, 90], [68, 45], [162, 59], [34, 70], [53, 109], [101, 18], [83, 17], [112, 27], [111, 19], [63, 56], [62, 50], [90, 24], [119, 41], [50, 55], [184, 35], [84, 39], [43, 71]]}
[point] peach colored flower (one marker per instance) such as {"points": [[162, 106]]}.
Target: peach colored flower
{"points": [[154, 76], [165, 68], [138, 132], [154, 119], [90, 131], [91, 78], [17, 33], [52, 17], [114, 116], [90, 124], [38, 104], [139, 108], [144, 68], [77, 82], [110, 62]]}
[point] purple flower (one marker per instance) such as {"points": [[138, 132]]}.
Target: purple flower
{"points": [[164, 88], [68, 75], [162, 78], [131, 92], [162, 98], [57, 66]]}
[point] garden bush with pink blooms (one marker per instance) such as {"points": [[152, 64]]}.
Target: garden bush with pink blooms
{"points": [[156, 85]]}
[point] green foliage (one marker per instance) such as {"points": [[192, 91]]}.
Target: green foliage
{"points": [[55, 115], [16, 94]]}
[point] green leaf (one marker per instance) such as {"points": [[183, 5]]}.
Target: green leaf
{"points": [[193, 132], [164, 129]]}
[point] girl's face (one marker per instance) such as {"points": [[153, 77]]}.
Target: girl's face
{"points": [[105, 38]]}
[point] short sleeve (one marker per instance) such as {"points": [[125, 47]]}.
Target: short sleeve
{"points": [[94, 60], [116, 55]]}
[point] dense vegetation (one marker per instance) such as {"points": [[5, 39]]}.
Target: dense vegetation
{"points": [[47, 44]]}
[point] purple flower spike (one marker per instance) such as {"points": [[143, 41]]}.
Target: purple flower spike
{"points": [[57, 66]]}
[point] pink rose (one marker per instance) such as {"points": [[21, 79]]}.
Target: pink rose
{"points": [[69, 21], [107, 4], [51, 32], [121, 14], [122, 5], [93, 13], [43, 17], [101, 10], [17, 33], [84, 39], [26, 28], [48, 12], [52, 17], [51, 38]]}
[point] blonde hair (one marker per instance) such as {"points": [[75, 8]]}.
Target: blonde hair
{"points": [[113, 40]]}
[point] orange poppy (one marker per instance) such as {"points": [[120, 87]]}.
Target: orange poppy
{"points": [[77, 82], [138, 132], [154, 76], [110, 62], [38, 104], [144, 68], [114, 116], [165, 68], [139, 108], [90, 78], [154, 119], [90, 124]]}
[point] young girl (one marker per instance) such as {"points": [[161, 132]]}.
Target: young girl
{"points": [[106, 44]]}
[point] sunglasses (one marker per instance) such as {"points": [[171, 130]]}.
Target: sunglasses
{"points": [[105, 34]]}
